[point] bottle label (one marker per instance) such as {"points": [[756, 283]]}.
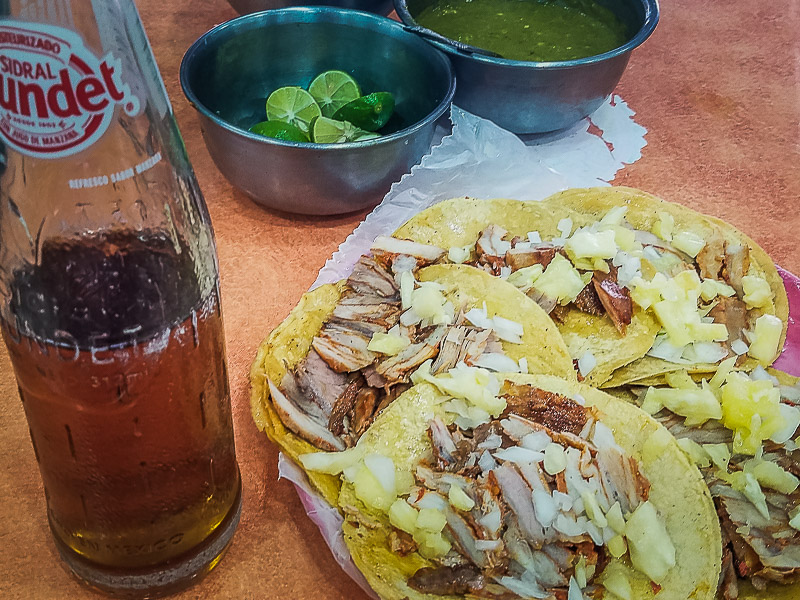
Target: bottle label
{"points": [[56, 97]]}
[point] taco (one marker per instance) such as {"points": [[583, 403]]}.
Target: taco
{"points": [[742, 432], [632, 281], [563, 492], [347, 350]]}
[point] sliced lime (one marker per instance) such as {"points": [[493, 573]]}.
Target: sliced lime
{"points": [[330, 131], [293, 105], [332, 90], [280, 130], [370, 112]]}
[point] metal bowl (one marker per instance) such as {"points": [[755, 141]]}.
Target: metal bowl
{"points": [[228, 73], [243, 7], [536, 97]]}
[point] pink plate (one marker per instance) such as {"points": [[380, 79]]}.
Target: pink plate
{"points": [[789, 360]]}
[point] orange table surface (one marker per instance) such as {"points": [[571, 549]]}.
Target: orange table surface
{"points": [[718, 89]]}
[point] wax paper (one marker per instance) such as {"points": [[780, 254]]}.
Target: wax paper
{"points": [[482, 160]]}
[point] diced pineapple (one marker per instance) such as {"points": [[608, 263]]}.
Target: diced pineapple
{"points": [[431, 519], [332, 463], [752, 410], [720, 455], [767, 336], [647, 293], [433, 545], [673, 316], [591, 244], [688, 242], [615, 216], [771, 475], [407, 285], [617, 546], [708, 332], [371, 492], [711, 288], [427, 301], [625, 238], [523, 278], [757, 292], [651, 549], [387, 343], [382, 467], [615, 519], [617, 584], [664, 227], [680, 380], [459, 499], [403, 516], [560, 280], [689, 281], [697, 405], [722, 373]]}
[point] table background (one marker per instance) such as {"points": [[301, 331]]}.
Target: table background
{"points": [[718, 89]]}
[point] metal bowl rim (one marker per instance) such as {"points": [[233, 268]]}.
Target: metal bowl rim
{"points": [[325, 11], [651, 16]]}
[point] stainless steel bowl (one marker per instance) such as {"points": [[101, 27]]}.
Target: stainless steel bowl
{"points": [[536, 97], [228, 73], [243, 7]]}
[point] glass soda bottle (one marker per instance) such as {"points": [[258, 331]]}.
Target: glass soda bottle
{"points": [[109, 300]]}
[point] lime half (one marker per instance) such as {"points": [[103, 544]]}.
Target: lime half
{"points": [[370, 112], [293, 105], [330, 131], [332, 90], [280, 130]]}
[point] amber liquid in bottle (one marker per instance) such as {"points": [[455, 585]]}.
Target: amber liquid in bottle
{"points": [[124, 385]]}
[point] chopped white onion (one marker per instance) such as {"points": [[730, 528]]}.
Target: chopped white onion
{"points": [[491, 442], [430, 500], [519, 455], [575, 592], [523, 365], [526, 589], [508, 330], [505, 271], [663, 349], [534, 237], [791, 393], [486, 462], [487, 545], [545, 507], [739, 347], [705, 352], [536, 441], [568, 526], [565, 227], [760, 373], [516, 428], [791, 418], [494, 361], [492, 520], [586, 363], [562, 500]]}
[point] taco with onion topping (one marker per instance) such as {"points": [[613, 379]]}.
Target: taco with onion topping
{"points": [[560, 492], [636, 285], [347, 351], [742, 432]]}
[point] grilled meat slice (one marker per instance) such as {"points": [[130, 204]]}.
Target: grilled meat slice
{"points": [[552, 410], [709, 259], [615, 298], [363, 411], [344, 349], [367, 309], [732, 313], [344, 404], [395, 369], [443, 444], [458, 580], [621, 479], [589, 302], [517, 494], [401, 542], [319, 383], [301, 423], [370, 278], [491, 242], [540, 254], [728, 587], [546, 303], [735, 265], [387, 250], [462, 344]]}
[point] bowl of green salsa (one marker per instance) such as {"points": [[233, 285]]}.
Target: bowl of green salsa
{"points": [[533, 66]]}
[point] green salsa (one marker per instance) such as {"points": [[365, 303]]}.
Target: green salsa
{"points": [[530, 30]]}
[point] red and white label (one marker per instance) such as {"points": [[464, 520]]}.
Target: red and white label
{"points": [[56, 97]]}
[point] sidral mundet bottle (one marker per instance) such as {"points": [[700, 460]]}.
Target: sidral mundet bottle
{"points": [[109, 301]]}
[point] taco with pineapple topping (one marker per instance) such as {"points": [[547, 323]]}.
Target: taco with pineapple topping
{"points": [[560, 492], [742, 432], [633, 282], [347, 351]]}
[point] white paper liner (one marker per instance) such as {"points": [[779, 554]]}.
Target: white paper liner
{"points": [[481, 160]]}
